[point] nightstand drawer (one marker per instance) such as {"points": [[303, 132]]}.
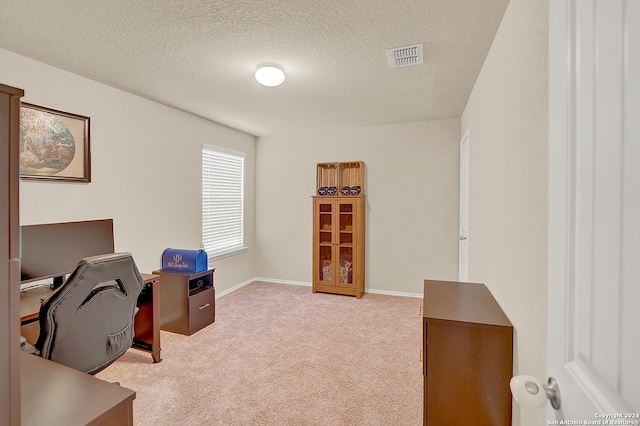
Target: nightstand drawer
{"points": [[201, 309]]}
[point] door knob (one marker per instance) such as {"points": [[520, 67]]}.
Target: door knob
{"points": [[463, 238], [530, 393]]}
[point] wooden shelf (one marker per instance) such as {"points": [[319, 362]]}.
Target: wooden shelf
{"points": [[333, 178], [338, 229]]}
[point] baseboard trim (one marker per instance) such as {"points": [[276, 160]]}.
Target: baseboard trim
{"points": [[308, 284], [393, 293], [234, 288], [278, 281]]}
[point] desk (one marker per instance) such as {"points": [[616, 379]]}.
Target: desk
{"points": [[54, 394], [146, 322]]}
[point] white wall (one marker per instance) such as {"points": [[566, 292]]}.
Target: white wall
{"points": [[411, 180], [507, 115], [146, 172], [146, 176]]}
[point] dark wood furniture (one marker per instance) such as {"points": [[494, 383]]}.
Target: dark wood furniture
{"points": [[146, 322], [468, 356], [188, 301], [54, 394], [9, 254]]}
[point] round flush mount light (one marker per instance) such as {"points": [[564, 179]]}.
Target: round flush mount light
{"points": [[270, 76]]}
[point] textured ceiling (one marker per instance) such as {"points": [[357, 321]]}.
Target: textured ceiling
{"points": [[200, 55]]}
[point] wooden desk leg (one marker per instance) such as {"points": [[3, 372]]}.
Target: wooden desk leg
{"points": [[155, 350], [147, 321]]}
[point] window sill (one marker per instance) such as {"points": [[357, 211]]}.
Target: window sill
{"points": [[214, 257]]}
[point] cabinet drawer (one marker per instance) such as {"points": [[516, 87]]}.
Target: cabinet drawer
{"points": [[201, 309]]}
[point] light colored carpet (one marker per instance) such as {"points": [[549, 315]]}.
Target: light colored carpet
{"points": [[279, 355]]}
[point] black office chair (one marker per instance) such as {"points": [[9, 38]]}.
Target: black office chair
{"points": [[87, 323]]}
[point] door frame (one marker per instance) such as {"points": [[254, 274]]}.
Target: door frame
{"points": [[463, 235]]}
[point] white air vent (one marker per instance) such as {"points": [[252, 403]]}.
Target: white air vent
{"points": [[405, 56]]}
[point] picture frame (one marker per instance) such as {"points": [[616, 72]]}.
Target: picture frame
{"points": [[54, 145]]}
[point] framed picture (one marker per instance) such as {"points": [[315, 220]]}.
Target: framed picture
{"points": [[54, 145]]}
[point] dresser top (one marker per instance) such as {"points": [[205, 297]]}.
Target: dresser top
{"points": [[462, 302]]}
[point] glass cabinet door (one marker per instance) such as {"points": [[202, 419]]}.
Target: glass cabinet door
{"points": [[338, 245], [345, 243], [325, 241]]}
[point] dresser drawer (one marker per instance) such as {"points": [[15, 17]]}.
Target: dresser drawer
{"points": [[201, 309]]}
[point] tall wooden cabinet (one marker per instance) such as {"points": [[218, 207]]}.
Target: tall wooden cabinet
{"points": [[468, 356], [9, 255], [338, 244]]}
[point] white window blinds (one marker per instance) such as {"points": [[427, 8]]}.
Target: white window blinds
{"points": [[222, 206]]}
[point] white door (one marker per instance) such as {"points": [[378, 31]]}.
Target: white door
{"points": [[594, 208], [463, 247]]}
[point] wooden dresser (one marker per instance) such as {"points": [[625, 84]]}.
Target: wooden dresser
{"points": [[468, 356]]}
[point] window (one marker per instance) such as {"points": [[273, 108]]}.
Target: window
{"points": [[222, 201]]}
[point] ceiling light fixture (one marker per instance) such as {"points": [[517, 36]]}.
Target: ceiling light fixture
{"points": [[270, 76]]}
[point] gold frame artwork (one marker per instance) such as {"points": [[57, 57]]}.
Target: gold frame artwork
{"points": [[54, 145]]}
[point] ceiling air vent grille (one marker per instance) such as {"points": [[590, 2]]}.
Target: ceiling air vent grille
{"points": [[405, 56]]}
